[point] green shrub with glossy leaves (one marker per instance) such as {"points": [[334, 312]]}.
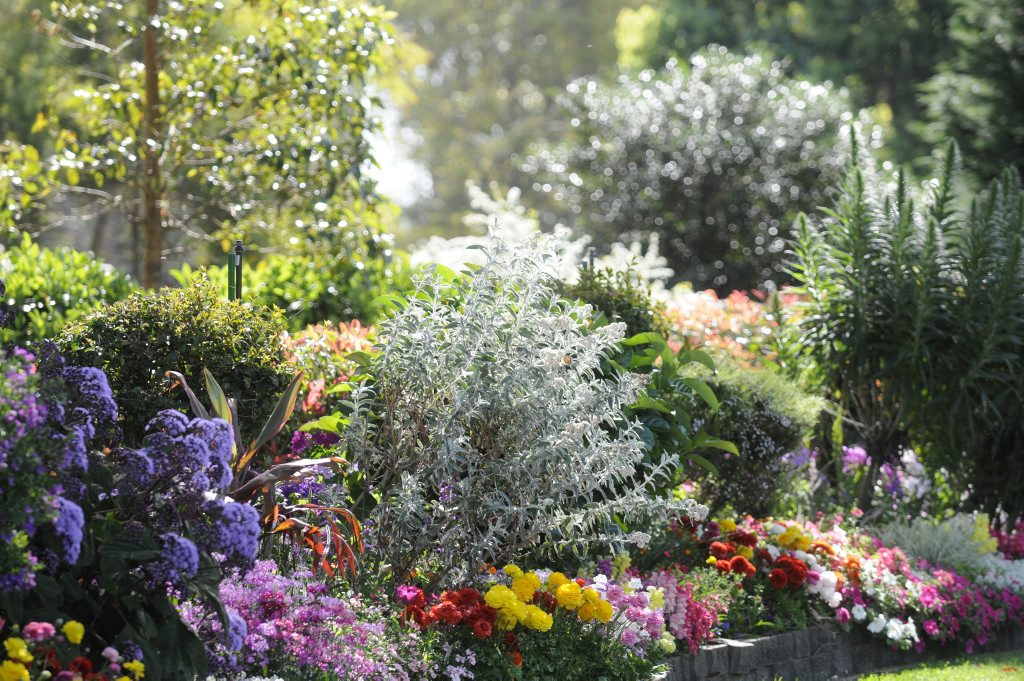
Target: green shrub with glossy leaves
{"points": [[47, 287], [137, 340], [764, 415], [622, 297]]}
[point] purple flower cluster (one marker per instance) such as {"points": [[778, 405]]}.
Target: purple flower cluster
{"points": [[292, 623], [179, 558], [187, 455], [69, 528], [301, 441]]}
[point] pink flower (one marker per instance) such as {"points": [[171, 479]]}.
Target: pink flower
{"points": [[38, 631], [929, 595], [842, 615], [630, 638], [110, 654], [931, 627]]}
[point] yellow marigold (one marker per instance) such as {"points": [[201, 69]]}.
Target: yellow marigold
{"points": [[138, 669], [513, 571], [587, 612], [17, 649], [802, 543], [591, 596], [537, 619], [604, 612], [711, 560], [74, 631], [746, 552], [569, 596], [727, 525], [500, 596], [556, 580], [12, 671]]}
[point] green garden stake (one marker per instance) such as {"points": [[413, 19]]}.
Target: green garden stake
{"points": [[239, 249], [231, 276]]}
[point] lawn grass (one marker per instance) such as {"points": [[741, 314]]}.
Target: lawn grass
{"points": [[991, 667]]}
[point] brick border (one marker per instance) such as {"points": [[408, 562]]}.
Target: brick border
{"points": [[819, 653]]}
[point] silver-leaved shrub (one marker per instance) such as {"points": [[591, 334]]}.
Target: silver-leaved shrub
{"points": [[488, 429]]}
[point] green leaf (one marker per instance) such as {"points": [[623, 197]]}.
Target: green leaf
{"points": [[703, 390], [217, 397]]}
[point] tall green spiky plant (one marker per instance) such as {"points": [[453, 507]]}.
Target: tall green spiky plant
{"points": [[913, 320]]}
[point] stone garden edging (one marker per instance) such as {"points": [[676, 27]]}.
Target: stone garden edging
{"points": [[818, 653]]}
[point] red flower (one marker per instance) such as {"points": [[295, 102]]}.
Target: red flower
{"points": [[414, 613], [445, 612], [723, 566], [544, 600], [81, 665], [741, 566], [517, 658], [722, 550], [764, 555], [795, 569], [462, 598], [744, 538], [482, 628], [778, 579]]}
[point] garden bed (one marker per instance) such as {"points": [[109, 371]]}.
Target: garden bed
{"points": [[815, 654]]}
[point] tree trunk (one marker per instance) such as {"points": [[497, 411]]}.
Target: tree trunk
{"points": [[152, 147]]}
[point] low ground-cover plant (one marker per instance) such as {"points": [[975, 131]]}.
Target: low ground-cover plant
{"points": [[137, 340], [486, 429], [48, 287]]}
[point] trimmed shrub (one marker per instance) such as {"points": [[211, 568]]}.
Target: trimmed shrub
{"points": [[137, 340], [47, 287], [765, 416], [622, 296]]}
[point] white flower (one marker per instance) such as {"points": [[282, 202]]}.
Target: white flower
{"points": [[776, 528], [893, 629], [859, 613], [641, 539], [835, 599], [877, 624]]}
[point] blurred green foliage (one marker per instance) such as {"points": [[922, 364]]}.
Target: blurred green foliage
{"points": [[137, 340], [321, 286], [47, 287], [488, 90], [717, 159], [883, 51], [977, 96]]}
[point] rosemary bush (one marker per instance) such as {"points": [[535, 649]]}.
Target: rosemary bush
{"points": [[488, 431]]}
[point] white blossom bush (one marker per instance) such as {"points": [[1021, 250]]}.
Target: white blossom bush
{"points": [[487, 429]]}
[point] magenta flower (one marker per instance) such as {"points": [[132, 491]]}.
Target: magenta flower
{"points": [[842, 615], [931, 627], [38, 631]]}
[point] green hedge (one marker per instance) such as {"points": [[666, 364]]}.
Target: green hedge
{"points": [[47, 287]]}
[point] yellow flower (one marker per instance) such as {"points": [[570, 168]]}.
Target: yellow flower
{"points": [[727, 525], [537, 619], [591, 596], [667, 643], [604, 612], [587, 612], [500, 596], [138, 669], [803, 543], [122, 678], [513, 571], [74, 631], [569, 596], [711, 560], [556, 580], [524, 586], [656, 597], [12, 671], [517, 610], [17, 650], [746, 552]]}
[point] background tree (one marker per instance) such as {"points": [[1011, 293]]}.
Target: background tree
{"points": [[882, 51], [215, 120], [977, 96], [717, 159], [488, 90]]}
